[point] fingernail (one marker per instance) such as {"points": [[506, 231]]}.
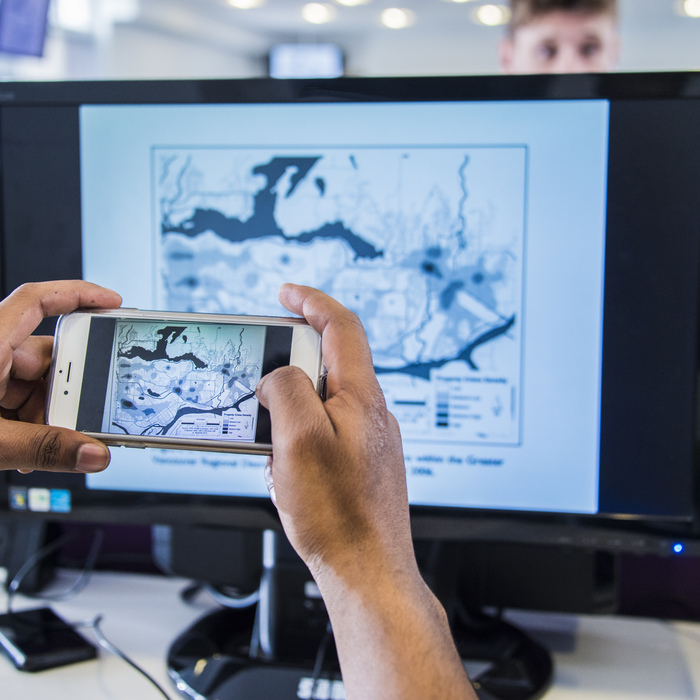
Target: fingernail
{"points": [[92, 458], [269, 482]]}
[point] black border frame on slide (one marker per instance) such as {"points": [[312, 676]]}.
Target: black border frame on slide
{"points": [[650, 345]]}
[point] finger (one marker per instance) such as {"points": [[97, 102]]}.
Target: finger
{"points": [[26, 446], [17, 393], [23, 310], [33, 408], [346, 352], [289, 394], [31, 360]]}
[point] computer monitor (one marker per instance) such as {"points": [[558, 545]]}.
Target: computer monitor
{"points": [[306, 60], [523, 252]]}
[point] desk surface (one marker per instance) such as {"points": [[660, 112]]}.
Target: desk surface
{"points": [[596, 658]]}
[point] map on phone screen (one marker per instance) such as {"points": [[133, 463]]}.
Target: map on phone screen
{"points": [[180, 380]]}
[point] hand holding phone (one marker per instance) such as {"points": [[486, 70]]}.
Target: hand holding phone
{"points": [[25, 443], [176, 380]]}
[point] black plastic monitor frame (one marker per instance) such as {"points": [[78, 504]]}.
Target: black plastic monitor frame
{"points": [[642, 106]]}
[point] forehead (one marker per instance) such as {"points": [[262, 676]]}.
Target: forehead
{"points": [[567, 26]]}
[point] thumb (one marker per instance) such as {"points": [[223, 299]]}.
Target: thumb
{"points": [[28, 446], [289, 395]]}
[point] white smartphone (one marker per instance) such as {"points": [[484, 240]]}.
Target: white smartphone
{"points": [[180, 380]]}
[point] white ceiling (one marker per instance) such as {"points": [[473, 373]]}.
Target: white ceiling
{"points": [[283, 19], [444, 37], [208, 38]]}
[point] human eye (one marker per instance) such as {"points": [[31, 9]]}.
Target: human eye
{"points": [[590, 48], [547, 51]]}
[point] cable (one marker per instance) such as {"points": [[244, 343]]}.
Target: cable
{"points": [[228, 600], [77, 586], [108, 646], [320, 658]]}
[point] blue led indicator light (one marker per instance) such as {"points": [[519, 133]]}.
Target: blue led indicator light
{"points": [[677, 548]]}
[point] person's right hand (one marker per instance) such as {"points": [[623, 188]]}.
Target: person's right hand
{"points": [[340, 487], [25, 443], [337, 466]]}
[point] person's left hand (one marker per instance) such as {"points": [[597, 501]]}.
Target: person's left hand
{"points": [[26, 444]]}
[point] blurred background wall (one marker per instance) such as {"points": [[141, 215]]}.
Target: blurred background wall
{"points": [[220, 38]]}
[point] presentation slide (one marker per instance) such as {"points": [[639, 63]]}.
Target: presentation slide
{"points": [[468, 236]]}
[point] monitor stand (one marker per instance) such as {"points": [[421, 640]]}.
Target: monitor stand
{"points": [[281, 649]]}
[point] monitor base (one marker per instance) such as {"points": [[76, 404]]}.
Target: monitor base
{"points": [[212, 659], [283, 648]]}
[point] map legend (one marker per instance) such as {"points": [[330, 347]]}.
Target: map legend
{"points": [[443, 410]]}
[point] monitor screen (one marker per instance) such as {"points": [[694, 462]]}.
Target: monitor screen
{"points": [[299, 60], [422, 231], [522, 252]]}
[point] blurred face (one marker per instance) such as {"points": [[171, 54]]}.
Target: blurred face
{"points": [[562, 42]]}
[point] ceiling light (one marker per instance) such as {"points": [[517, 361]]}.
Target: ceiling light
{"points": [[397, 18], [245, 4], [317, 12], [492, 15], [352, 3], [691, 8], [75, 15]]}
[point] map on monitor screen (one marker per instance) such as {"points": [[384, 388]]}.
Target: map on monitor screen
{"points": [[425, 244]]}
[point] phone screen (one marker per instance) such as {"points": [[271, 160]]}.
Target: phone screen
{"points": [[145, 377]]}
